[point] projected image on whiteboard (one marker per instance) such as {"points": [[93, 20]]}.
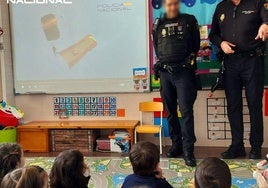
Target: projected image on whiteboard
{"points": [[86, 47], [74, 53]]}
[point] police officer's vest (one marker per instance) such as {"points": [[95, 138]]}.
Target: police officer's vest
{"points": [[172, 39]]}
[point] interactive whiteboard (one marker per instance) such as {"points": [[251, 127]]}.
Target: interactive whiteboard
{"points": [[90, 46]]}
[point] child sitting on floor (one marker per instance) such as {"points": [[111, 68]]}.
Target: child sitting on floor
{"points": [[69, 171], [145, 159], [211, 173], [11, 157], [261, 174], [11, 179], [33, 177], [263, 165]]}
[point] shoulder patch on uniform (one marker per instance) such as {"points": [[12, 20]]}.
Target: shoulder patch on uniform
{"points": [[156, 21], [156, 24]]}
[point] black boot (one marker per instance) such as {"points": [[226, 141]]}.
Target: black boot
{"points": [[255, 153], [234, 152], [189, 159], [175, 151]]}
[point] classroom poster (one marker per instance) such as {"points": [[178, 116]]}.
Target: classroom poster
{"points": [[140, 79], [84, 106]]}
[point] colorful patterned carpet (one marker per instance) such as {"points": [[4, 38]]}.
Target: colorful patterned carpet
{"points": [[114, 171]]}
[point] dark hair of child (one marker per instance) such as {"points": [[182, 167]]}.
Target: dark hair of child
{"points": [[10, 158], [213, 173], [144, 157], [33, 177], [67, 171], [11, 179]]}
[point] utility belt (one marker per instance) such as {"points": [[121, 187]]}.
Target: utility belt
{"points": [[175, 67], [258, 52], [188, 63], [219, 84]]}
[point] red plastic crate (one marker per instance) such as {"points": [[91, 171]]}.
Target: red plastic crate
{"points": [[103, 144]]}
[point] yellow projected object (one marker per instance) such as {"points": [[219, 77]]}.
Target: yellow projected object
{"points": [[50, 27], [127, 4], [76, 52]]}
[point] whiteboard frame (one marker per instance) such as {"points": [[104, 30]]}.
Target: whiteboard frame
{"points": [[47, 84]]}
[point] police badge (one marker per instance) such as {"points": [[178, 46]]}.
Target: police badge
{"points": [[222, 17], [164, 33]]}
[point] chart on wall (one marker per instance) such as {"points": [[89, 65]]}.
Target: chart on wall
{"points": [[84, 106], [207, 63], [86, 47]]}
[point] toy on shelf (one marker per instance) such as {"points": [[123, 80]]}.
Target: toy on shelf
{"points": [[119, 141], [5, 107], [9, 119]]}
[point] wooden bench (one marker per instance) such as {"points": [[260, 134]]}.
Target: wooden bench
{"points": [[34, 136]]}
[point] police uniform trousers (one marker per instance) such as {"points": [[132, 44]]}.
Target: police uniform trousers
{"points": [[245, 72], [179, 89]]}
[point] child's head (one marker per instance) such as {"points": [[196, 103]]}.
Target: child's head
{"points": [[11, 179], [68, 170], [144, 157], [33, 177], [11, 157], [213, 173]]}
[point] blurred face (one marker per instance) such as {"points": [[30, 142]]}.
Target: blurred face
{"points": [[45, 176], [86, 170], [22, 161], [172, 8]]}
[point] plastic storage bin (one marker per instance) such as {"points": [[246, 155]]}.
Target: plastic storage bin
{"points": [[8, 135]]}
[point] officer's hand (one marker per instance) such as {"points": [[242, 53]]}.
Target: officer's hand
{"points": [[262, 33], [227, 47]]}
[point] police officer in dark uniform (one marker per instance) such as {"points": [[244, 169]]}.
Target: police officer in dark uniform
{"points": [[177, 40], [239, 29]]}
